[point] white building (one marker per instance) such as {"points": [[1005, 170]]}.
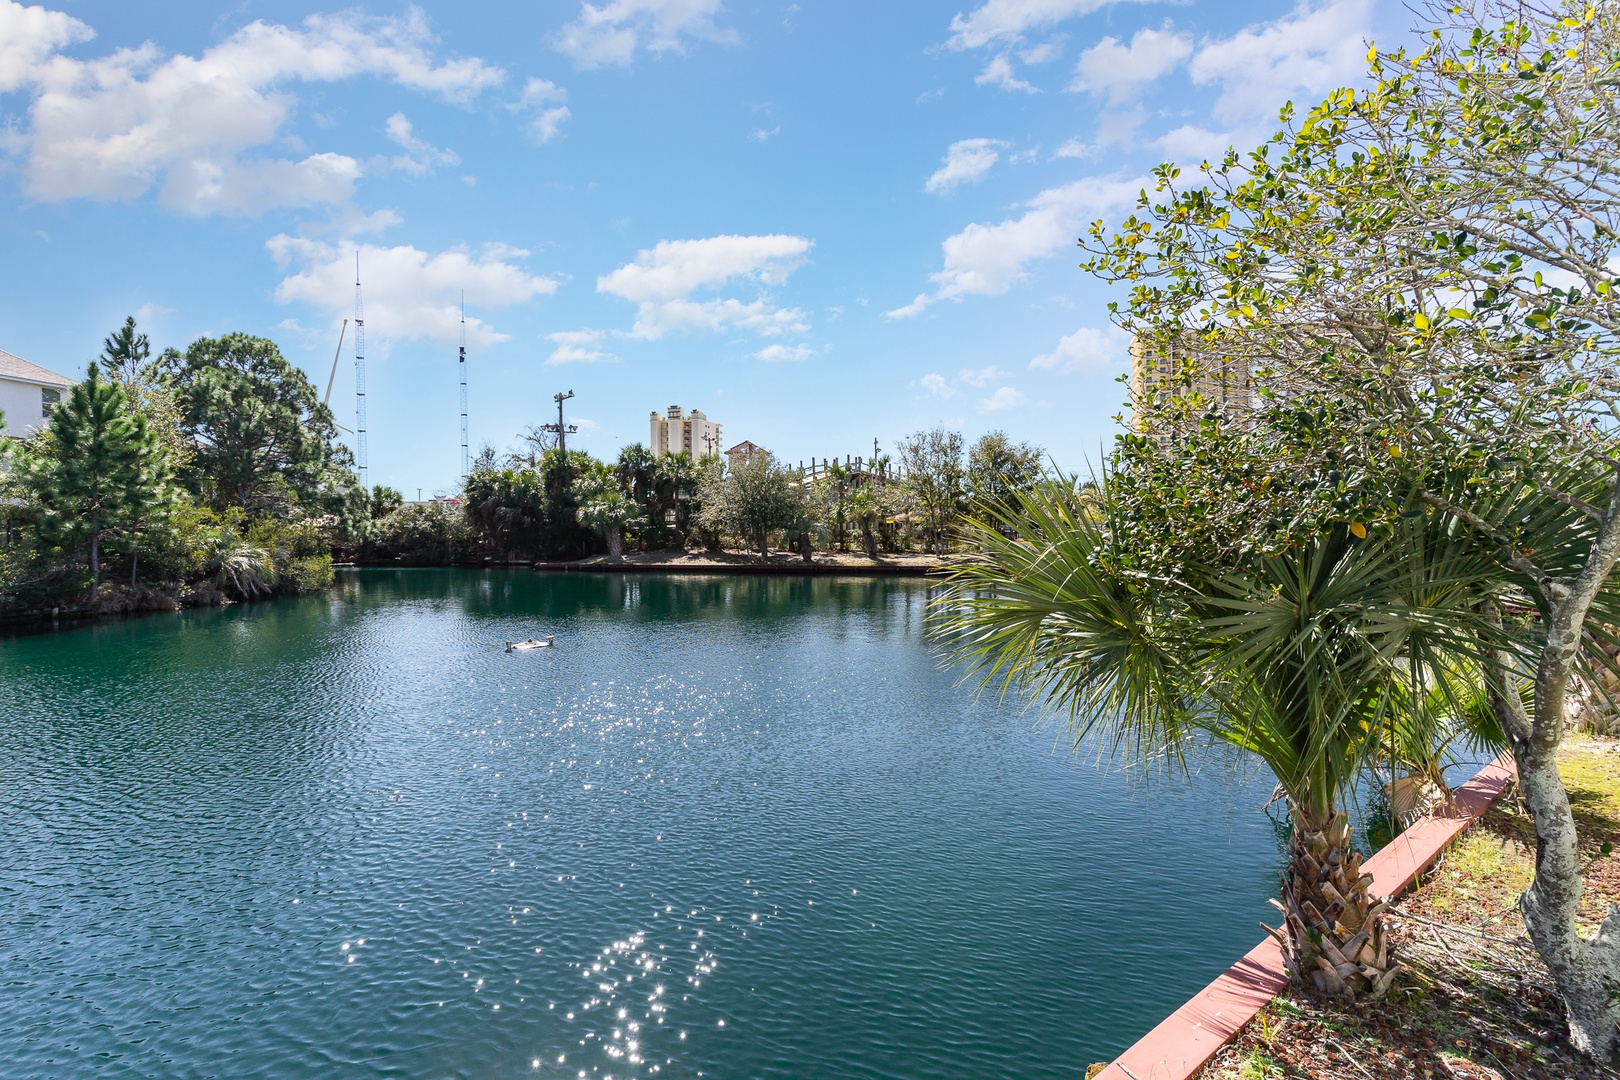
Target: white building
{"points": [[28, 393], [681, 432]]}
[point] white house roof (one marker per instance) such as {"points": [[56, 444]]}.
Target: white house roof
{"points": [[17, 369]]}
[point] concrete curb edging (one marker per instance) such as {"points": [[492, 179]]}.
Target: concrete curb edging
{"points": [[1185, 1040]]}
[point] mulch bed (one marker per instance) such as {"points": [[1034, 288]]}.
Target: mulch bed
{"points": [[1475, 1002]]}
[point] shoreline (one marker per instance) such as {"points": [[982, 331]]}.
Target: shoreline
{"points": [[784, 565]]}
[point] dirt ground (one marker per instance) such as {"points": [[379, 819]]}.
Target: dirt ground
{"points": [[1475, 1002]]}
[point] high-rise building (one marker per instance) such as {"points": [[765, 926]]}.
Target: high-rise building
{"points": [[682, 432], [1160, 376]]}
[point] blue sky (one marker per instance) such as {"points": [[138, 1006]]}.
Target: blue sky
{"points": [[819, 222]]}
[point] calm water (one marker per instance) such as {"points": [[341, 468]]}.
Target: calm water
{"points": [[726, 827]]}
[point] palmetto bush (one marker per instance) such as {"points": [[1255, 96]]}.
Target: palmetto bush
{"points": [[1299, 659]]}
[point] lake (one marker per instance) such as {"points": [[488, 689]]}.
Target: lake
{"points": [[727, 827]]}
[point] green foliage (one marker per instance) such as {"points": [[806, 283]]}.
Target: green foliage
{"points": [[264, 442], [606, 508], [1296, 658], [749, 501], [934, 482], [999, 469], [383, 501], [96, 473], [427, 534]]}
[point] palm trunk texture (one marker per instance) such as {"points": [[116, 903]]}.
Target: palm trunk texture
{"points": [[1332, 936]]}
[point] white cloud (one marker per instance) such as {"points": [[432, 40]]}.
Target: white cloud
{"points": [[1004, 398], [1315, 49], [545, 97], [1007, 20], [1087, 349], [966, 162], [612, 32], [986, 260], [578, 347], [999, 72], [409, 293], [1071, 148], [1120, 72], [118, 125], [662, 279], [1044, 52], [936, 384], [28, 36], [980, 377], [420, 157], [761, 134], [776, 354]]}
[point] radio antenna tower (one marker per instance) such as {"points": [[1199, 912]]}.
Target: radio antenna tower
{"points": [[463, 369], [359, 378]]}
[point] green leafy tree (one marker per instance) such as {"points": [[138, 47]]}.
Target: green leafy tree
{"points": [[98, 473], [934, 482], [264, 442], [750, 500], [427, 534], [999, 469], [1418, 279]]}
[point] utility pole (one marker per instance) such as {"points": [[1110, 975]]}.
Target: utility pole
{"points": [[562, 430], [708, 442]]}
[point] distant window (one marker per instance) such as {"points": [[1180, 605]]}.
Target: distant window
{"points": [[49, 399]]}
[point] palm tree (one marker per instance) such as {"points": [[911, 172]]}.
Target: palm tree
{"points": [[1298, 660], [865, 509]]}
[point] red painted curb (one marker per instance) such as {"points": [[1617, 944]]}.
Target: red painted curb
{"points": [[1186, 1039]]}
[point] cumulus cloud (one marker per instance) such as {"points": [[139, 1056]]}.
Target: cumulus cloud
{"points": [[776, 354], [578, 347], [999, 72], [1071, 148], [1087, 349], [935, 384], [116, 126], [611, 33], [980, 377], [999, 21], [420, 157], [966, 162], [1315, 49], [28, 37], [987, 260], [1120, 72], [662, 280], [1005, 397], [544, 99], [409, 293]]}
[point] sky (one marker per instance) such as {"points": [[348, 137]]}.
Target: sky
{"points": [[822, 223]]}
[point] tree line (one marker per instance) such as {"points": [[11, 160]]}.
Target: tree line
{"points": [[182, 478], [540, 504]]}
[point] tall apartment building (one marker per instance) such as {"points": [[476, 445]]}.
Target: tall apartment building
{"points": [[1158, 377], [682, 432]]}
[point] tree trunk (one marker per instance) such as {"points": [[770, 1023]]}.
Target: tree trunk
{"points": [[870, 540], [1332, 936], [134, 564], [1585, 970], [95, 565], [806, 548], [615, 543]]}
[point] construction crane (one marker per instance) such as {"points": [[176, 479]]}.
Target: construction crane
{"points": [[359, 377], [463, 369], [327, 400]]}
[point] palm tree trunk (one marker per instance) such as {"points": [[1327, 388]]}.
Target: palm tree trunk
{"points": [[615, 543], [1332, 938]]}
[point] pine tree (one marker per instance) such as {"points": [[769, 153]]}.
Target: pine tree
{"points": [[99, 471]]}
